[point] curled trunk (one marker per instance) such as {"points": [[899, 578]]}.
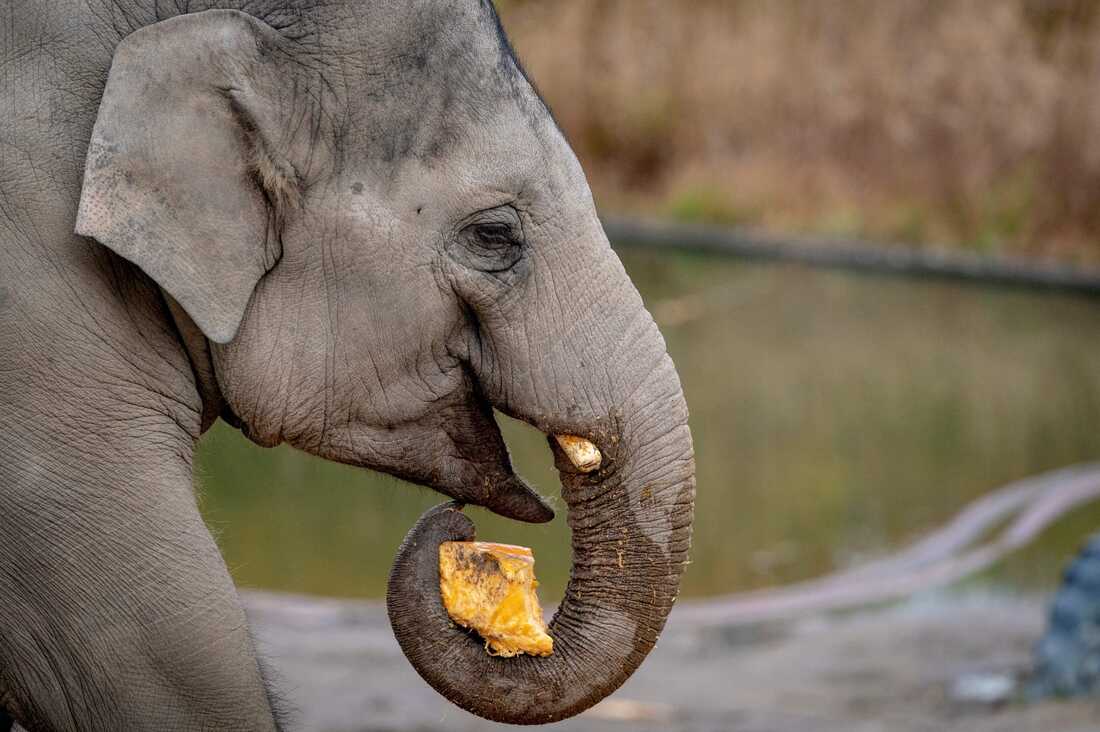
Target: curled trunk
{"points": [[631, 526]]}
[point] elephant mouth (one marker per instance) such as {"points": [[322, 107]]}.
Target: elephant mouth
{"points": [[583, 451], [458, 450], [576, 450], [469, 460]]}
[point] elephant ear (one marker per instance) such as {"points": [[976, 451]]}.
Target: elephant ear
{"points": [[181, 177]]}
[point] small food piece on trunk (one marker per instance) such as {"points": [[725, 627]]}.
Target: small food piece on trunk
{"points": [[583, 454], [491, 589]]}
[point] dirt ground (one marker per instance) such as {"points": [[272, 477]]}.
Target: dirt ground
{"points": [[891, 669]]}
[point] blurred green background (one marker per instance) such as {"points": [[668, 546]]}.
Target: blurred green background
{"points": [[836, 417]]}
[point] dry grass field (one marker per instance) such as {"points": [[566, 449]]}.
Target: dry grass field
{"points": [[969, 123]]}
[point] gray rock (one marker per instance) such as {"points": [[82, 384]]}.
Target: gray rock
{"points": [[1067, 658]]}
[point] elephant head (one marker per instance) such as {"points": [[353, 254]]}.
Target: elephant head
{"points": [[371, 233]]}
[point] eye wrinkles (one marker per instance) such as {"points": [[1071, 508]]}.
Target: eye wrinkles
{"points": [[505, 214]]}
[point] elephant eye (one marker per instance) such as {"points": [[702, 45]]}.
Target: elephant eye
{"points": [[490, 241], [496, 235]]}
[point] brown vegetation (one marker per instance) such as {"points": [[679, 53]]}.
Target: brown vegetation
{"points": [[973, 123]]}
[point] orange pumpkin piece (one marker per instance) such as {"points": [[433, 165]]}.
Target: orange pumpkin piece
{"points": [[490, 588]]}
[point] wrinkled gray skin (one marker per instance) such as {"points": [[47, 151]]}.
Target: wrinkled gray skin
{"points": [[348, 226]]}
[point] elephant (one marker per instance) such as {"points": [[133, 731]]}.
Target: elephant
{"points": [[349, 226]]}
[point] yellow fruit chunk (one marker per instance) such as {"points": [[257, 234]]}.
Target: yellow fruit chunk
{"points": [[491, 589]]}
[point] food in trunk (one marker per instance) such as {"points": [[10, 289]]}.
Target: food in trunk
{"points": [[490, 588], [585, 456]]}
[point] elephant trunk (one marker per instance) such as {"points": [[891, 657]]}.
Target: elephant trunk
{"points": [[631, 530]]}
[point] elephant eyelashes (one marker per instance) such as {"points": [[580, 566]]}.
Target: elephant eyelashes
{"points": [[495, 236], [491, 241]]}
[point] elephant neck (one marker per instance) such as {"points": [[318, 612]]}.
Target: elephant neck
{"points": [[197, 348]]}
